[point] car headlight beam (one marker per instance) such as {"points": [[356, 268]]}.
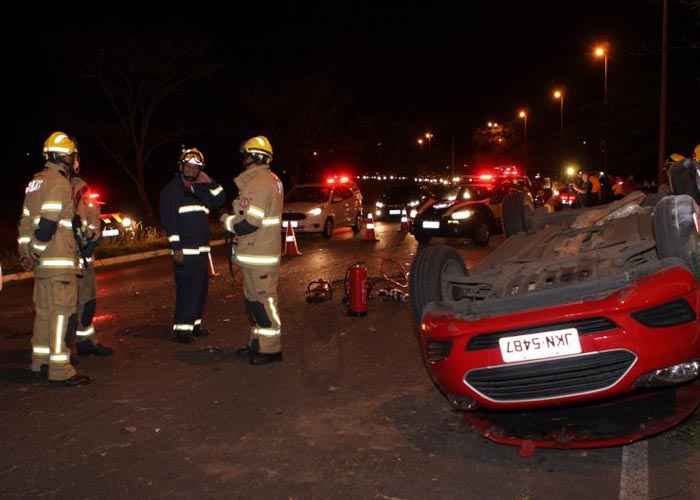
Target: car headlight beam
{"points": [[462, 214]]}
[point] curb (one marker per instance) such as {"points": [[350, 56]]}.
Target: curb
{"points": [[112, 261]]}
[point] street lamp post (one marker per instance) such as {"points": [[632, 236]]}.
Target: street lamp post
{"points": [[429, 136], [601, 51], [558, 94], [523, 116]]}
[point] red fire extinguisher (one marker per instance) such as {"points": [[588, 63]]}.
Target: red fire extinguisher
{"points": [[356, 290]]}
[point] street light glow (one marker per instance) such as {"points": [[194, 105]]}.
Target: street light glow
{"points": [[420, 142], [570, 171], [522, 114], [599, 51], [490, 124], [557, 94]]}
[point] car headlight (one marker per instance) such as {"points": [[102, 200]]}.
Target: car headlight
{"points": [[379, 204], [314, 211], [378, 213], [413, 214], [462, 214], [413, 203], [127, 222]]}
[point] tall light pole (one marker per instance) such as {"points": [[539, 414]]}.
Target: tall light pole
{"points": [[523, 116], [559, 94], [601, 51], [429, 137]]}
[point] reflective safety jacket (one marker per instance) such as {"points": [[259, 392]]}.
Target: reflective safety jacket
{"points": [[184, 214], [46, 224], [257, 217], [89, 212]]}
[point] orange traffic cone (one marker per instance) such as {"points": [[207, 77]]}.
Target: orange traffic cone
{"points": [[404, 221], [369, 228], [290, 241]]}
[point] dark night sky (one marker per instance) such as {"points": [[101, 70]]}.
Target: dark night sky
{"points": [[396, 70]]}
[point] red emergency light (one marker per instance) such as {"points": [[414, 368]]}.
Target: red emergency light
{"points": [[338, 180]]}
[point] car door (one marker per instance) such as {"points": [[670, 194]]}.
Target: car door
{"points": [[337, 210], [346, 208]]}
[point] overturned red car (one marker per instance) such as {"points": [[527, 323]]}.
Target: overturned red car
{"points": [[577, 307]]}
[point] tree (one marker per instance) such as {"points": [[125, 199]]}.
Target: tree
{"points": [[138, 79]]}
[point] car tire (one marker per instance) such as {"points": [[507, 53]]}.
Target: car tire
{"points": [[515, 213], [427, 274], [676, 220], [328, 228], [482, 234], [358, 224], [422, 237]]}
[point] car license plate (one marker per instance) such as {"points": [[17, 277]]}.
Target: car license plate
{"points": [[431, 224], [394, 212], [540, 345]]}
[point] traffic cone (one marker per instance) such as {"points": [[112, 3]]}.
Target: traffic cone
{"points": [[369, 228], [404, 221], [290, 241]]}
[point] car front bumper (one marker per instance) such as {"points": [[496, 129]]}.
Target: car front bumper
{"points": [[615, 356]]}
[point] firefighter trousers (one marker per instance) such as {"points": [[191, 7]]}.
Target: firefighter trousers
{"points": [[87, 303], [192, 287], [260, 291], [55, 300]]}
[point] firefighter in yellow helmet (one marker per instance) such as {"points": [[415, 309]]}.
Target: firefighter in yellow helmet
{"points": [[256, 224], [47, 246], [87, 228]]}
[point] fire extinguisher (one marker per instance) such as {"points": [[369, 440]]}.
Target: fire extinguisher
{"points": [[356, 290]]}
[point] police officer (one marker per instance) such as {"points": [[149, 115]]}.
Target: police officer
{"points": [[87, 227], [185, 203], [255, 222], [47, 245]]}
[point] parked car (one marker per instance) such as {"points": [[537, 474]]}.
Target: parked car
{"points": [[323, 207], [398, 199], [473, 210]]}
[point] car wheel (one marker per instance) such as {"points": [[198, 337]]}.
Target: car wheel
{"points": [[676, 220], [482, 234], [516, 210], [358, 224], [328, 228], [422, 237], [431, 272]]}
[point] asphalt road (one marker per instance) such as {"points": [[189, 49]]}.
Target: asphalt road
{"points": [[350, 413]]}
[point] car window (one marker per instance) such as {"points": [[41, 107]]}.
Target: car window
{"points": [[343, 193]]}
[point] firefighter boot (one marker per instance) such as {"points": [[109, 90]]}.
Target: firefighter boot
{"points": [[262, 358], [88, 347]]}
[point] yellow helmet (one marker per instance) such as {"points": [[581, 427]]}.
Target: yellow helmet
{"points": [[675, 157], [60, 143], [191, 156], [259, 148]]}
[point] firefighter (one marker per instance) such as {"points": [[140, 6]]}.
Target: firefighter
{"points": [[185, 203], [87, 228], [256, 224], [47, 246]]}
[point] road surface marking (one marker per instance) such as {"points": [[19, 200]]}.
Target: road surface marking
{"points": [[634, 474]]}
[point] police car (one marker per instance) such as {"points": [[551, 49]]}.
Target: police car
{"points": [[472, 210], [322, 207]]}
